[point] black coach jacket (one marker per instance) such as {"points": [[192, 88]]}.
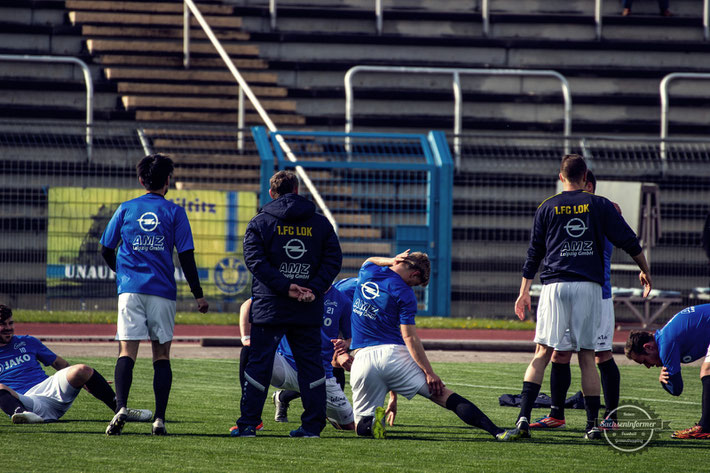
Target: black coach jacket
{"points": [[286, 243]]}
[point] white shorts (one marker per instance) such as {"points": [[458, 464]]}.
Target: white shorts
{"points": [[51, 398], [707, 356], [605, 331], [573, 306], [337, 409], [380, 369], [143, 316]]}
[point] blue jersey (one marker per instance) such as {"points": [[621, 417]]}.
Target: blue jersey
{"points": [[336, 319], [347, 286], [685, 338], [569, 235], [382, 302], [19, 362], [606, 288], [148, 227]]}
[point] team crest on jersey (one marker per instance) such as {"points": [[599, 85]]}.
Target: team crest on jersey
{"points": [[295, 248], [576, 227], [370, 290], [148, 222], [20, 345], [231, 276]]}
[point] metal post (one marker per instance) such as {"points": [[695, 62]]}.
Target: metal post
{"points": [[185, 36], [240, 122], [272, 13], [378, 15], [598, 18], [458, 99], [485, 17], [706, 20]]}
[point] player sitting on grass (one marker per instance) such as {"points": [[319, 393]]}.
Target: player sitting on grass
{"points": [[389, 355], [684, 339], [28, 395]]}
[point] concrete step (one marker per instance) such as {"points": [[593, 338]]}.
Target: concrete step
{"points": [[182, 75], [153, 19], [215, 117], [24, 12], [145, 6], [40, 44], [102, 46], [158, 33], [201, 103], [176, 61], [196, 89], [52, 98]]}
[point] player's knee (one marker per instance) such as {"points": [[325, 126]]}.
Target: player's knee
{"points": [[80, 373], [364, 427]]}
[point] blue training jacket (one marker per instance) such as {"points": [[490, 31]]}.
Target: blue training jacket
{"points": [[286, 243]]}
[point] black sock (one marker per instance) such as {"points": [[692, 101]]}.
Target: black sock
{"points": [[287, 396], [123, 377], [591, 405], [9, 403], [705, 418], [611, 381], [560, 379], [162, 382], [339, 375], [527, 399], [472, 415], [364, 427], [101, 390]]}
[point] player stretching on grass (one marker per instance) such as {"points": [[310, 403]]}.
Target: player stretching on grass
{"points": [[684, 339], [389, 355], [29, 396], [148, 227], [568, 237], [560, 375]]}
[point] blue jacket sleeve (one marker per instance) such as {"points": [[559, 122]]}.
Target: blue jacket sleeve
{"points": [[537, 248], [330, 264], [675, 384], [258, 263]]}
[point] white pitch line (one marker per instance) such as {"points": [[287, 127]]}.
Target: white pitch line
{"points": [[515, 390]]}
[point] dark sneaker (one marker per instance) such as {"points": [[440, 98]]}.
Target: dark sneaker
{"points": [[248, 431], [116, 425], [593, 434], [301, 433], [378, 424], [281, 414], [159, 428]]}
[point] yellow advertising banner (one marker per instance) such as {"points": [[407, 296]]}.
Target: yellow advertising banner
{"points": [[78, 217]]}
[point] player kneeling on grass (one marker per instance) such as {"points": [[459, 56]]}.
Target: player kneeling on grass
{"points": [[684, 339], [28, 395], [388, 354]]}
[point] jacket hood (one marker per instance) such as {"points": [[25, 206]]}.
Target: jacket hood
{"points": [[290, 207]]}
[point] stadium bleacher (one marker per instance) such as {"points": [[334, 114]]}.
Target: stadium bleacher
{"points": [[134, 50]]}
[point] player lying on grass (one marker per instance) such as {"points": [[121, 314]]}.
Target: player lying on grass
{"points": [[684, 339], [28, 395], [388, 354], [284, 375]]}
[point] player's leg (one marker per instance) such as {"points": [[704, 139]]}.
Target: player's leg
{"points": [[339, 375], [10, 401], [591, 389], [560, 379], [532, 382], [84, 376], [338, 410], [285, 378], [465, 410], [305, 344], [257, 376], [369, 389], [48, 400], [608, 371], [705, 380]]}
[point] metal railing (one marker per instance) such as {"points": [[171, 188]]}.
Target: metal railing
{"points": [[244, 89], [88, 81], [664, 100], [458, 96]]}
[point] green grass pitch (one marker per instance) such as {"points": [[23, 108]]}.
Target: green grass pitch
{"points": [[205, 402]]}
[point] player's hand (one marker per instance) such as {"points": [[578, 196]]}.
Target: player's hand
{"points": [[391, 411], [344, 360], [339, 344], [301, 294], [202, 305], [645, 279], [400, 258], [246, 343], [436, 385], [664, 376], [523, 302]]}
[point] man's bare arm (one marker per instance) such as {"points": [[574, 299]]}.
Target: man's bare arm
{"points": [[416, 349]]}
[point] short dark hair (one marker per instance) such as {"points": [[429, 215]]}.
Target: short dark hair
{"points": [[154, 171], [573, 167], [419, 261], [591, 178], [5, 313], [283, 182], [635, 342]]}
